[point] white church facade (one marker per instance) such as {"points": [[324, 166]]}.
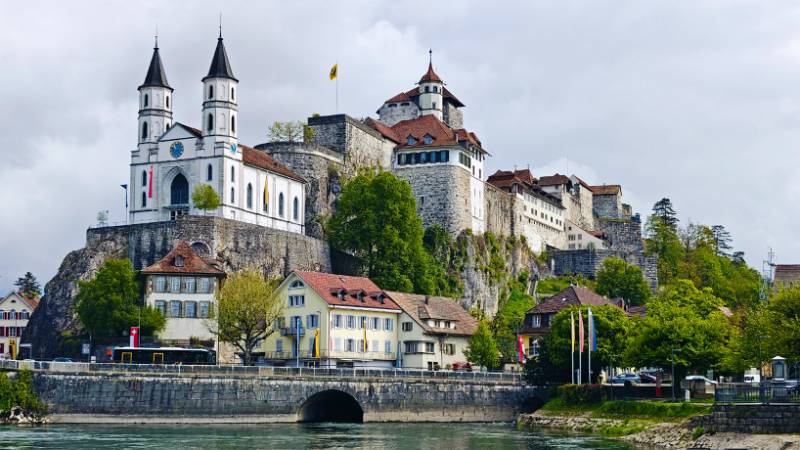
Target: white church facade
{"points": [[172, 159]]}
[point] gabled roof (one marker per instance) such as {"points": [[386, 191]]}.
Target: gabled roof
{"points": [[192, 263], [433, 126], [554, 180], [422, 307], [571, 296], [262, 160], [220, 66], [155, 73], [328, 286], [385, 130], [606, 189], [430, 76], [32, 302], [505, 179], [413, 93]]}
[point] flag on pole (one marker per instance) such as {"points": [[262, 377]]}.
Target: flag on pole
{"points": [[266, 193], [334, 72], [592, 333], [572, 330], [150, 184], [580, 332], [520, 349], [316, 343]]}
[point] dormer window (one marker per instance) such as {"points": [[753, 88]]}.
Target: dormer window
{"points": [[179, 261], [410, 140], [427, 139], [360, 297], [341, 295]]}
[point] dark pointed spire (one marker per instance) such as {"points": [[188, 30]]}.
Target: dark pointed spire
{"points": [[220, 66], [430, 75], [155, 73]]}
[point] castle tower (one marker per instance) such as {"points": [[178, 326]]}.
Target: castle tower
{"points": [[220, 111], [155, 102], [430, 91]]}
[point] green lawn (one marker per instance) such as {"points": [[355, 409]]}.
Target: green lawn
{"points": [[630, 409]]}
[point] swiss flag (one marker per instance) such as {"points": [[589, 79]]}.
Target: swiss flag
{"points": [[134, 337]]}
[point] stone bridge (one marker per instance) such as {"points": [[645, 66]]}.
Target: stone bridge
{"points": [[191, 394]]}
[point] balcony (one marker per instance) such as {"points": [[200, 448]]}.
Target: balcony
{"points": [[334, 354], [293, 331]]}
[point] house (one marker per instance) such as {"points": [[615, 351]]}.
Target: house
{"points": [[333, 321], [786, 275], [434, 331], [15, 310], [538, 319], [183, 286]]}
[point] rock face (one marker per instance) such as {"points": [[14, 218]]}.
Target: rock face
{"points": [[16, 416], [237, 245]]}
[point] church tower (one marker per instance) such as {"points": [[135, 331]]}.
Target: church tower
{"points": [[431, 91], [220, 111], [155, 102]]}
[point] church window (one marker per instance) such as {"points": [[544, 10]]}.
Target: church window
{"points": [[210, 123], [233, 174], [280, 204], [167, 98], [233, 94], [146, 99], [179, 191], [296, 209], [209, 172], [211, 92], [144, 178], [233, 124], [233, 196], [144, 199], [249, 196], [166, 127], [144, 130]]}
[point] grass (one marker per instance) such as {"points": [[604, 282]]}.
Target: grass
{"points": [[630, 409]]}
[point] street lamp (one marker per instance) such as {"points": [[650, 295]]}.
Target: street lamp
{"points": [[674, 350]]}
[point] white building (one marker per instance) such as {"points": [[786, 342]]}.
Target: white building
{"points": [[15, 310], [171, 158]]}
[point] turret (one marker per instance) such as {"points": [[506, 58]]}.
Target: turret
{"points": [[431, 91], [220, 111], [155, 102]]}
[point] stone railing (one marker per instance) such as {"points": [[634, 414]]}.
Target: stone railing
{"points": [[261, 371]]}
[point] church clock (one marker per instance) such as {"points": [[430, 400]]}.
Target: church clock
{"points": [[176, 149]]}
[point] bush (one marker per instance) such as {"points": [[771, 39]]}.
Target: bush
{"points": [[697, 432], [581, 394], [20, 393], [651, 409]]}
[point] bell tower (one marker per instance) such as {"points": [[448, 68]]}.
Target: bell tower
{"points": [[155, 102], [220, 92]]}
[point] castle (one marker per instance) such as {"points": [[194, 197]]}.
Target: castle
{"points": [[419, 135]]}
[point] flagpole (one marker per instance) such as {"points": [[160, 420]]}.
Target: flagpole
{"points": [[572, 348]]}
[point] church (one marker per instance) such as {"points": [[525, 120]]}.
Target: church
{"points": [[172, 158]]}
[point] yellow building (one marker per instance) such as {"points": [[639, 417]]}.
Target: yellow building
{"points": [[333, 321]]}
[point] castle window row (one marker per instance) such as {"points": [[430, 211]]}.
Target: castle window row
{"points": [[185, 309], [464, 159], [441, 156], [187, 285]]}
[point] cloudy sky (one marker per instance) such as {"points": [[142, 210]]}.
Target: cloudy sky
{"points": [[696, 101]]}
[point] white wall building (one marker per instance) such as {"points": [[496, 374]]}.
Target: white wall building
{"points": [[15, 310], [172, 158]]}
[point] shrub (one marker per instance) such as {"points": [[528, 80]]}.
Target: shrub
{"points": [[581, 394], [697, 432]]}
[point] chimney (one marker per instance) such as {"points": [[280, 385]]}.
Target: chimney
{"points": [[426, 299]]}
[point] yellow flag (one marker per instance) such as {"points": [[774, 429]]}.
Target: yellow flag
{"points": [[334, 71], [365, 334], [266, 193], [316, 343]]}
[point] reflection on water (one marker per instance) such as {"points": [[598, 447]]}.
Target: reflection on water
{"points": [[294, 436]]}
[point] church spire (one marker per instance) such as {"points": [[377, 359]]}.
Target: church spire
{"points": [[220, 66], [430, 76], [155, 73]]}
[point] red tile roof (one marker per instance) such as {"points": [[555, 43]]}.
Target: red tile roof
{"points": [[384, 130], [192, 263], [438, 130], [606, 189], [504, 179], [571, 296], [328, 286], [554, 180], [430, 76], [260, 159], [422, 307], [413, 93]]}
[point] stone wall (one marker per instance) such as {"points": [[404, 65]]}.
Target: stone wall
{"points": [[755, 418], [498, 210], [622, 235], [442, 193], [264, 399], [361, 145], [320, 167], [588, 261], [609, 206], [390, 115], [453, 116], [236, 244]]}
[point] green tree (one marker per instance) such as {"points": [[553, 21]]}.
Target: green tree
{"points": [[722, 240], [23, 394], [28, 286], [618, 279], [662, 240], [482, 348], [685, 318], [205, 197], [290, 132], [6, 392], [664, 211], [511, 316], [109, 304], [376, 220], [247, 311], [611, 325]]}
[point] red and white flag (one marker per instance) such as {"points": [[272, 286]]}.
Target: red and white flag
{"points": [[150, 184], [521, 349], [134, 337]]}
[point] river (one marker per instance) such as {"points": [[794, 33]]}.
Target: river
{"points": [[294, 436]]}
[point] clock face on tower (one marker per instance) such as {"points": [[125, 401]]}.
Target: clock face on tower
{"points": [[176, 149]]}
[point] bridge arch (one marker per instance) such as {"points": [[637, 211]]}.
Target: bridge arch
{"points": [[331, 405]]}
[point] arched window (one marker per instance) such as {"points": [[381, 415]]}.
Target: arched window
{"points": [[233, 94], [280, 204], [249, 196], [144, 199], [233, 124], [211, 92], [209, 173], [146, 99], [210, 123], [144, 178], [144, 130], [179, 191], [167, 101], [296, 209], [233, 174], [233, 196]]}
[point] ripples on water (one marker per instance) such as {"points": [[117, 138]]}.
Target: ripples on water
{"points": [[390, 436]]}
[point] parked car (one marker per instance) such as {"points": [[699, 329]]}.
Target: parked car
{"points": [[626, 377], [462, 365], [62, 359], [699, 378], [647, 377]]}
